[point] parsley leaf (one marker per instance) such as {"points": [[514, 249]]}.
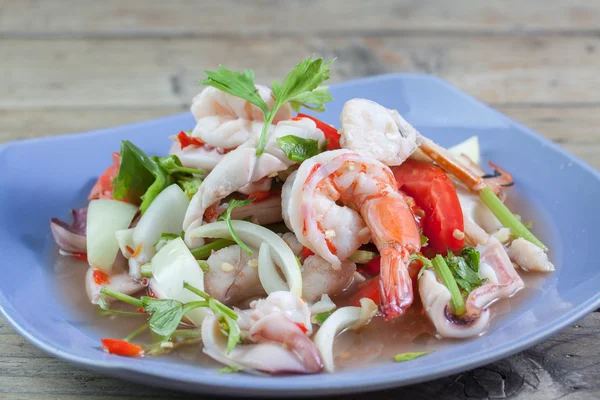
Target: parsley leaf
{"points": [[465, 269], [239, 84], [314, 100], [226, 216], [298, 149], [167, 314], [301, 86]]}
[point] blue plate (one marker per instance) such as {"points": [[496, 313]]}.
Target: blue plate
{"points": [[43, 178]]}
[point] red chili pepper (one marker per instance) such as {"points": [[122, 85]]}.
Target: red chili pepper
{"points": [[302, 327], [103, 188], [369, 290], [259, 196], [306, 252], [141, 310], [185, 140], [100, 277], [331, 134], [122, 348], [80, 256]]}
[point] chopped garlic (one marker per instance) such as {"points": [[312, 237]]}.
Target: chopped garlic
{"points": [[330, 234], [253, 263], [166, 345], [226, 267], [458, 235]]}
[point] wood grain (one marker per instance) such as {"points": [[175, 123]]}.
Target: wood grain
{"points": [[228, 18], [564, 365], [77, 65], [160, 72]]}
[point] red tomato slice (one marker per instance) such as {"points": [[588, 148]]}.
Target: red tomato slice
{"points": [[434, 192], [331, 134], [369, 289], [372, 267], [103, 188], [122, 348]]}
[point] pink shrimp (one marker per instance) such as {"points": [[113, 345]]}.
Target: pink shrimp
{"points": [[345, 200]]}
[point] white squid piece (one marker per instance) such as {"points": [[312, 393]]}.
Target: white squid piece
{"points": [[227, 121], [503, 282], [205, 158], [278, 327], [529, 257], [242, 166], [118, 280], [320, 278], [374, 131]]}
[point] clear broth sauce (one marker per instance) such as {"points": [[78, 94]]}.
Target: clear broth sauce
{"points": [[376, 343]]}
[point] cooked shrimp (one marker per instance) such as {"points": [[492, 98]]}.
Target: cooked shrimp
{"points": [[228, 121], [339, 200], [242, 166]]}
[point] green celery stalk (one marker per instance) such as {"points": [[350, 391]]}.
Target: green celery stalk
{"points": [[443, 272], [507, 218], [203, 252]]}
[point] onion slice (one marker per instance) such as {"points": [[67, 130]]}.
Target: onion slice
{"points": [[255, 236], [267, 271], [342, 319], [71, 237]]}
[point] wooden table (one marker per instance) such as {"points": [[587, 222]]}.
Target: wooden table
{"points": [[70, 66]]}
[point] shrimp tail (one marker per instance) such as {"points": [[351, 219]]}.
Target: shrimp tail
{"points": [[395, 284]]}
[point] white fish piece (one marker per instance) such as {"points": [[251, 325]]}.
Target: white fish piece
{"points": [[374, 131], [529, 257]]}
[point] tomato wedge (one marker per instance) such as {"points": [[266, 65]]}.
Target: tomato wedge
{"points": [[122, 348], [103, 188], [331, 134], [434, 192], [369, 290]]}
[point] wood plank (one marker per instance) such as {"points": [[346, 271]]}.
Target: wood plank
{"points": [[157, 72], [37, 18], [564, 365]]}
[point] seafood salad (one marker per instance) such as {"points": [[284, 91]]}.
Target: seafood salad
{"points": [[267, 235]]}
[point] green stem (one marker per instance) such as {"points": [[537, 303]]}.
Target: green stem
{"points": [[507, 218], [189, 170], [146, 270], [122, 297], [203, 252], [195, 290], [135, 333], [443, 272], [185, 334], [104, 312], [263, 135], [236, 238]]}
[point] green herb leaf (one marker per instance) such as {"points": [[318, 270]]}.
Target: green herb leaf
{"points": [[424, 239], [226, 216], [298, 149], [465, 269], [190, 186], [322, 317], [172, 164], [410, 356], [314, 100], [166, 237], [167, 314], [229, 370], [304, 78], [239, 84]]}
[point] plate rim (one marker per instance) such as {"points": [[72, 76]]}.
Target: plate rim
{"points": [[298, 387]]}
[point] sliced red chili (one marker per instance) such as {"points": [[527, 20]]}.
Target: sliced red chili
{"points": [[186, 140], [100, 277], [122, 348], [259, 196]]}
